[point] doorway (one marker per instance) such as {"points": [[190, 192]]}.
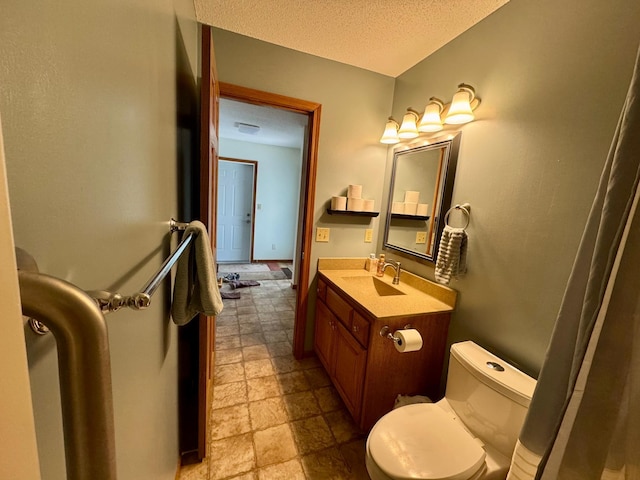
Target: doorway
{"points": [[306, 197], [236, 194]]}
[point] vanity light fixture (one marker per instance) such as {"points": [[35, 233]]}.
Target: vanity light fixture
{"points": [[462, 106], [431, 121], [409, 129], [458, 112], [390, 135]]}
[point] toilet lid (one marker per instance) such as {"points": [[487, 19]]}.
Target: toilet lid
{"points": [[422, 441]]}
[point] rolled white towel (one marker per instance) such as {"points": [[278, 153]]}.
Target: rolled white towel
{"points": [[452, 255]]}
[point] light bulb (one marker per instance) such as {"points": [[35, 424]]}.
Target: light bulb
{"points": [[460, 110], [408, 129], [431, 121], [390, 135]]}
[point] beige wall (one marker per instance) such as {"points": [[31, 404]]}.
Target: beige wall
{"points": [[18, 450], [88, 100], [355, 104], [552, 77]]}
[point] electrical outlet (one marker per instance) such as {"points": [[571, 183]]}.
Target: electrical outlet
{"points": [[421, 237], [368, 235], [322, 234], [273, 246]]}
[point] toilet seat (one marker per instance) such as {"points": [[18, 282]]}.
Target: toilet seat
{"points": [[423, 441]]}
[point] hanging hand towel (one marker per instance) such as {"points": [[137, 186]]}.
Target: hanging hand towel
{"points": [[196, 286], [452, 255]]}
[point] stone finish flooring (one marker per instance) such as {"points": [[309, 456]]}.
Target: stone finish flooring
{"points": [[273, 417]]}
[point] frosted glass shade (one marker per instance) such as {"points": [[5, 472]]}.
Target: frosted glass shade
{"points": [[390, 135], [460, 109], [409, 129], [431, 121]]}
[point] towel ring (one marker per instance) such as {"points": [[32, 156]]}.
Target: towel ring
{"points": [[465, 207]]}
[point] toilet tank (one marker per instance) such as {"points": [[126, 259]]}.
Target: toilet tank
{"points": [[489, 396]]}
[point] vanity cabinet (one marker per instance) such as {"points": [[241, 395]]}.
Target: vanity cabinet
{"points": [[341, 354], [365, 368]]}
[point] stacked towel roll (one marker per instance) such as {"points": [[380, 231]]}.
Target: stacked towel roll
{"points": [[410, 205], [353, 202], [338, 203]]}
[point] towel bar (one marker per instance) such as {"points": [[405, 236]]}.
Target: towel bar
{"points": [[112, 301], [466, 209]]}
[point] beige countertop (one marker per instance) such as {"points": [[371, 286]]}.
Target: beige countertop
{"points": [[419, 295]]}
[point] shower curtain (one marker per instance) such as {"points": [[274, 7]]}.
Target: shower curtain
{"points": [[584, 418]]}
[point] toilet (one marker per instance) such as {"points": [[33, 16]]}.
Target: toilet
{"points": [[470, 434]]}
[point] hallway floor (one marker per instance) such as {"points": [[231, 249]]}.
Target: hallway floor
{"points": [[273, 417]]}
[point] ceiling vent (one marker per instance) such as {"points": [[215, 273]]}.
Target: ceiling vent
{"points": [[247, 128]]}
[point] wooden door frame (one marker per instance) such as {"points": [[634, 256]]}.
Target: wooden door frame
{"points": [[254, 186], [308, 185], [197, 338]]}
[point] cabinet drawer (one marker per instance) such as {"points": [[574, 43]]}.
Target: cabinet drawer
{"points": [[322, 290], [339, 307], [360, 329]]}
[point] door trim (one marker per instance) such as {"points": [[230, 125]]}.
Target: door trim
{"points": [[253, 198], [308, 186]]}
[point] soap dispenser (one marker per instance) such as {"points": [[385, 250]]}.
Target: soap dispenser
{"points": [[373, 263], [380, 269]]}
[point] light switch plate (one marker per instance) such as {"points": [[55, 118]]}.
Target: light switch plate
{"points": [[368, 235], [322, 234], [421, 237]]}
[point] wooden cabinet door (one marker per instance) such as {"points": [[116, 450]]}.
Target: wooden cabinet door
{"points": [[324, 332], [350, 363]]}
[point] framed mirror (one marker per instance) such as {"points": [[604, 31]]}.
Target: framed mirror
{"points": [[422, 179]]}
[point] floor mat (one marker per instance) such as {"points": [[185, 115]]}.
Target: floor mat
{"points": [[242, 267], [243, 283]]}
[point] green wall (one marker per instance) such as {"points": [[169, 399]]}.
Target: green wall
{"points": [[355, 104], [552, 77], [88, 99]]}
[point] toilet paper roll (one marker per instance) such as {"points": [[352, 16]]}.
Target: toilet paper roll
{"points": [[423, 209], [368, 205], [397, 207], [355, 204], [354, 191], [411, 196], [338, 203], [409, 340], [410, 208]]}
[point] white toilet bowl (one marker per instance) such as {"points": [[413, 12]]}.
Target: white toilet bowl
{"points": [[468, 435], [423, 441]]}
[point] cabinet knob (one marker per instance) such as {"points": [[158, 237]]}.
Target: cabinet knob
{"points": [[355, 328]]}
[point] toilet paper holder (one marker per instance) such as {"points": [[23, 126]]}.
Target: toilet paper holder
{"points": [[385, 332]]}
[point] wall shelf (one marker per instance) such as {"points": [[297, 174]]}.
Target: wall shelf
{"points": [[410, 217], [349, 212]]}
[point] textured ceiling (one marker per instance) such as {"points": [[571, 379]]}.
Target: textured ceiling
{"points": [[384, 36], [277, 127]]}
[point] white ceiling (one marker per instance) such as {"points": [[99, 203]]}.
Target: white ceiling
{"points": [[383, 36], [277, 127]]}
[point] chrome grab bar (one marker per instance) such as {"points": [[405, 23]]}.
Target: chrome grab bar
{"points": [[84, 369]]}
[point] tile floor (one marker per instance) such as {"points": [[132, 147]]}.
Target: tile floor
{"points": [[273, 417]]}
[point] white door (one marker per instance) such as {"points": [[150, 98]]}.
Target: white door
{"points": [[235, 207]]}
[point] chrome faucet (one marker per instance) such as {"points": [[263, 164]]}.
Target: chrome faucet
{"points": [[396, 266]]}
